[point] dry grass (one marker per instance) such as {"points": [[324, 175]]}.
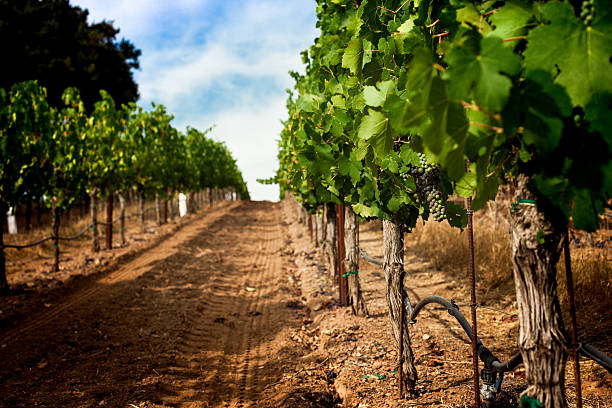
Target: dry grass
{"points": [[592, 273], [447, 249]]}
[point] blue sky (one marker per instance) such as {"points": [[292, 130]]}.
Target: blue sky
{"points": [[223, 63]]}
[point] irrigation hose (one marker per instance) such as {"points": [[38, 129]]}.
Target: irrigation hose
{"points": [[488, 358], [368, 258]]}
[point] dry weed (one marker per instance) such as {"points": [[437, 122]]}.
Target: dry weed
{"points": [[447, 249]]}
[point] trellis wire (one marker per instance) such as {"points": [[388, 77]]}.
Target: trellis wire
{"points": [[77, 235]]}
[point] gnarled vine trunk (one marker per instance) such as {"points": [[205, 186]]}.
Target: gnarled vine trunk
{"points": [[95, 240], [317, 226], [536, 248], [351, 245], [158, 214], [142, 212], [330, 245], [122, 225], [322, 227], [393, 244], [109, 221]]}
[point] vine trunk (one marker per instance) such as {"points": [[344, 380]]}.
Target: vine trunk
{"points": [[536, 248], [393, 246], [351, 245]]}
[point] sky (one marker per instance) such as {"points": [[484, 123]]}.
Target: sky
{"points": [[218, 62]]}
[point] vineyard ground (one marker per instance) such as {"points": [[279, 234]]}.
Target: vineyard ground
{"points": [[234, 308]]}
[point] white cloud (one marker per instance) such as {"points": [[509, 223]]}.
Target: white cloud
{"points": [[219, 62]]}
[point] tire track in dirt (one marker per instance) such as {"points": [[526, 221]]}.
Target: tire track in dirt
{"points": [[225, 344], [130, 270], [199, 321], [245, 364]]}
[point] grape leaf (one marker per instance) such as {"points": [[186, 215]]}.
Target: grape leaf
{"points": [[375, 128], [480, 70], [376, 96], [363, 210], [353, 56], [511, 19], [584, 213], [581, 54], [466, 186]]}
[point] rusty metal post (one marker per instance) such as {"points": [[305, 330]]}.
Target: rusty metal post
{"points": [[470, 215], [572, 310]]}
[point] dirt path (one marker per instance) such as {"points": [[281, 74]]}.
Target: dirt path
{"points": [[198, 320], [237, 309]]}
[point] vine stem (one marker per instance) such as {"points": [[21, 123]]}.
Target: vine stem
{"points": [[402, 6]]}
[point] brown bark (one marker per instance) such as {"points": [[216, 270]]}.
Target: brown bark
{"points": [[142, 212], [4, 287], [310, 232], [210, 197], [94, 220], [122, 225], [165, 211], [172, 205], [317, 227], [329, 247], [351, 260], [55, 224], [322, 227], [536, 248], [341, 253], [393, 243], [109, 222], [158, 218]]}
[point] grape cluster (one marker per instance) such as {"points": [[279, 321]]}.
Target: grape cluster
{"points": [[427, 180], [588, 11]]}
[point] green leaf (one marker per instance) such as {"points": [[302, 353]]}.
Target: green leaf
{"points": [[338, 101], [375, 128], [485, 191], [404, 29], [308, 103], [482, 73], [353, 56], [469, 15], [363, 210], [466, 186], [511, 19], [576, 54], [409, 156], [598, 114], [584, 213], [376, 96]]}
